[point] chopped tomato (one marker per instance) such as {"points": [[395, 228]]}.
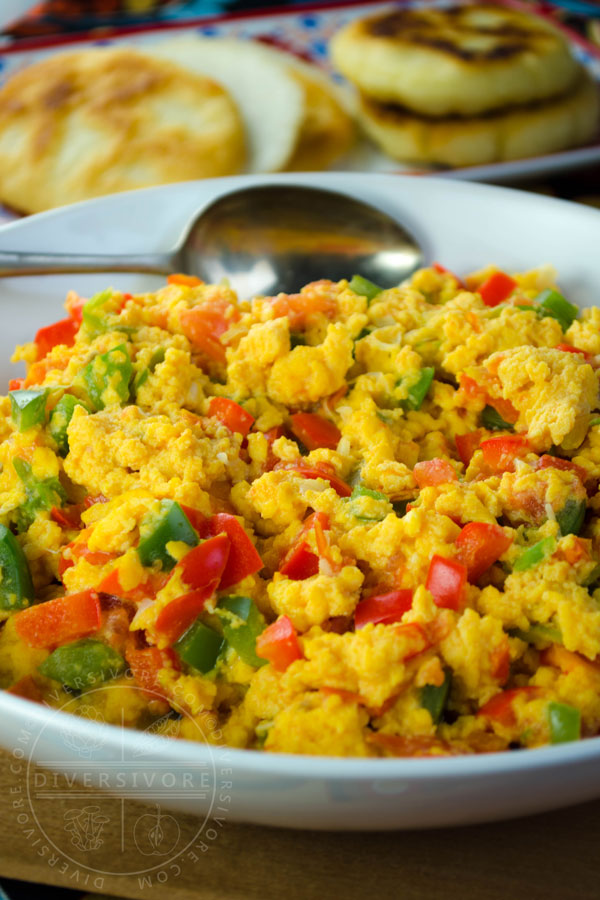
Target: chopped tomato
{"points": [[496, 288], [204, 325], [446, 581], [501, 452], [433, 471], [467, 444], [243, 559], [314, 431], [500, 707], [555, 462], [145, 664], [231, 414], [383, 608], [318, 470], [278, 644], [68, 516], [575, 552], [184, 280], [38, 371], [479, 546], [314, 298], [471, 389], [16, 384], [74, 305], [500, 662], [59, 621], [62, 332], [78, 549], [568, 348], [300, 562]]}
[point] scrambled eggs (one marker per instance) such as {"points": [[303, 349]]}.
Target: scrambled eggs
{"points": [[347, 521]]}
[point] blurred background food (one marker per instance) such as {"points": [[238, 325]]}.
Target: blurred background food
{"points": [[374, 86], [466, 85]]}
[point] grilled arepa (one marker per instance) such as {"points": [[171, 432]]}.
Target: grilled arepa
{"points": [[512, 133], [93, 122], [461, 60]]}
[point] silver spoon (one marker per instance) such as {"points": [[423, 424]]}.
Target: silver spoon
{"points": [[263, 239]]}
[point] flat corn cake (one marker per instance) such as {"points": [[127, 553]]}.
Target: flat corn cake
{"points": [[88, 123], [346, 521]]}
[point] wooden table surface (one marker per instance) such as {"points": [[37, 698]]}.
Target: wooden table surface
{"points": [[551, 857]]}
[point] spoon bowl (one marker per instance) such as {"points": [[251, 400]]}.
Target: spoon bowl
{"points": [[263, 239]]}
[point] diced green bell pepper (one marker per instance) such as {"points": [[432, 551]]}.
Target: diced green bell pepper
{"points": [[83, 664], [565, 723], [94, 315], [592, 578], [418, 390], [364, 287], [534, 554], [358, 508], [538, 634], [492, 420], [571, 516], [28, 408], [107, 376], [142, 377], [200, 647], [595, 421], [554, 304], [242, 623], [60, 417], [42, 494], [434, 697], [173, 525], [16, 586]]}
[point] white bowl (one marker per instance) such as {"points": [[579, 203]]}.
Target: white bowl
{"points": [[462, 225]]}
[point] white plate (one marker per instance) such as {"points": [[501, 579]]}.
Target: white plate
{"points": [[462, 225]]}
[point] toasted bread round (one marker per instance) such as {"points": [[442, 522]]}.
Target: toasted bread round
{"points": [[270, 100], [462, 60], [510, 134], [94, 122]]}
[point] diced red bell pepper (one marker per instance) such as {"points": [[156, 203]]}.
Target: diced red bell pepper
{"points": [[496, 288], [145, 664], [318, 470], [59, 621], [243, 559], [383, 608], [568, 348], [79, 549], [500, 452], [74, 306], [147, 589], [471, 389], [500, 662], [62, 332], [467, 444], [272, 435], [205, 563], [314, 431], [500, 707], [197, 520], [68, 516], [555, 462], [446, 581], [184, 280], [27, 689], [278, 644], [231, 414], [177, 616], [479, 546], [444, 271], [433, 471], [300, 562], [568, 661], [16, 384]]}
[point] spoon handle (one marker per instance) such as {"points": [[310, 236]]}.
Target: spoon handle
{"points": [[15, 264]]}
